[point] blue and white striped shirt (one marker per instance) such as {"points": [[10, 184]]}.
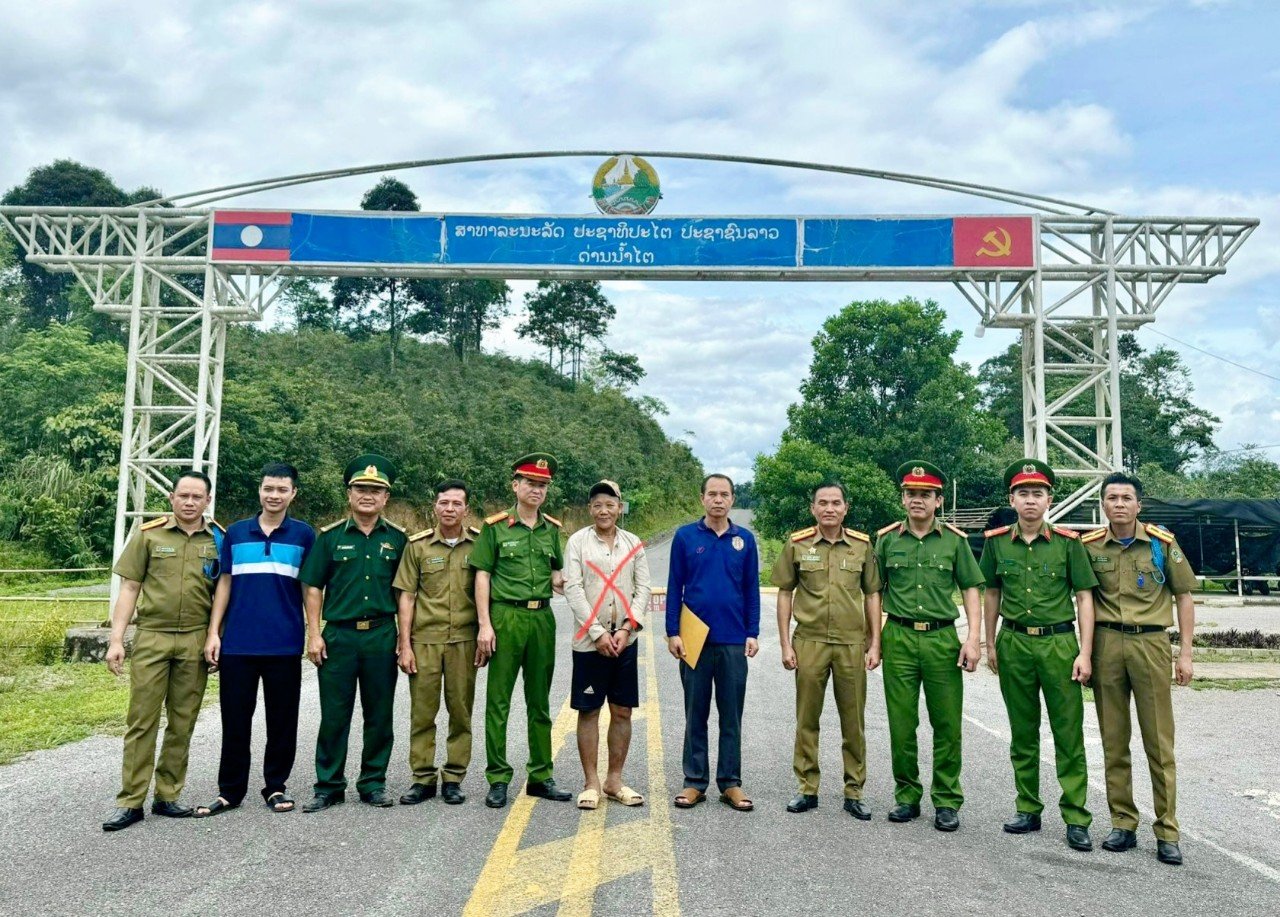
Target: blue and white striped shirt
{"points": [[264, 615]]}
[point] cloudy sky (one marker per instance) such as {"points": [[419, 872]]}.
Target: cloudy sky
{"points": [[1137, 107]]}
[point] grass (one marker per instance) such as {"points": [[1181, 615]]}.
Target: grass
{"points": [[1227, 655], [44, 706], [1234, 639], [33, 632], [1235, 684]]}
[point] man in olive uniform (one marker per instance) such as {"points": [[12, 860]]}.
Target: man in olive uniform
{"points": [[167, 572], [922, 560], [438, 643], [518, 558], [349, 573], [1032, 568], [828, 577], [1142, 573]]}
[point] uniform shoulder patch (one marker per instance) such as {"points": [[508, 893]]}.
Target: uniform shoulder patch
{"points": [[1065, 533], [802, 534], [390, 524], [425, 533], [553, 520], [1156, 531], [473, 530], [861, 536], [154, 523], [956, 530], [888, 528], [333, 525], [992, 533], [496, 517], [218, 525], [1088, 537]]}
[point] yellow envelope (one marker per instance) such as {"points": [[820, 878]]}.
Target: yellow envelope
{"points": [[693, 634]]}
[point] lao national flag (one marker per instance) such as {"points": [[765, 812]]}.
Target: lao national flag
{"points": [[251, 235], [994, 242]]}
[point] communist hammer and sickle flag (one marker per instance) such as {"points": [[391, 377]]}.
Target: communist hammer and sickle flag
{"points": [[994, 242], [999, 245]]}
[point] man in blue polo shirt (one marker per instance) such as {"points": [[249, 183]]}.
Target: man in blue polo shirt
{"points": [[256, 634], [715, 570]]}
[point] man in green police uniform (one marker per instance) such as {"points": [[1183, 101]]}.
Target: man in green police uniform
{"points": [[167, 572], [438, 643], [922, 561], [1142, 573], [827, 575], [518, 558], [349, 572], [1032, 569]]}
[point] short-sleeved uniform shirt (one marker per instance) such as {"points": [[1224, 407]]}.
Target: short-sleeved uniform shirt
{"points": [[518, 559], [443, 583], [1036, 580], [355, 570], [264, 612], [829, 581], [1131, 589], [177, 572], [920, 573]]}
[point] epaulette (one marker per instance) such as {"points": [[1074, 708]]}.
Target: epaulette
{"points": [[1064, 532], [888, 528], [473, 530], [553, 520], [1094, 535], [992, 533], [398, 528], [218, 525], [861, 536], [802, 534], [154, 523], [496, 517], [333, 525], [425, 533], [1156, 531], [956, 530]]}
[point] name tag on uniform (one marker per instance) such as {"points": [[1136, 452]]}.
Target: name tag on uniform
{"points": [[1102, 562], [511, 544], [434, 561], [345, 547], [809, 557], [161, 550]]}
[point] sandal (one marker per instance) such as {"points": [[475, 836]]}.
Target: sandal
{"points": [[689, 797], [216, 807], [279, 802], [589, 800], [736, 799], [626, 796]]}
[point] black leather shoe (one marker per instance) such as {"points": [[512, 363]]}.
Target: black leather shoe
{"points": [[802, 803], [419, 792], [547, 789], [904, 812], [858, 809], [1167, 852], [1078, 838], [451, 793], [497, 797], [171, 809], [945, 819], [379, 799], [1120, 839], [122, 819], [322, 801], [1023, 823]]}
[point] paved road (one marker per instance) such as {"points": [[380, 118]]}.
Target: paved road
{"points": [[545, 858]]}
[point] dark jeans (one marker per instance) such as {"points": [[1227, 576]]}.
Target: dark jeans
{"points": [[281, 678], [722, 669]]}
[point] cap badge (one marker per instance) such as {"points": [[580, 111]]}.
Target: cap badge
{"points": [[371, 470], [1028, 468], [541, 464], [917, 472]]}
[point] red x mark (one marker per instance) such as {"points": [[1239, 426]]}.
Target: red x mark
{"points": [[610, 586]]}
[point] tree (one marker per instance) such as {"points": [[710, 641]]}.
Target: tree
{"points": [[564, 316], [1245, 474], [615, 370], [460, 311]]}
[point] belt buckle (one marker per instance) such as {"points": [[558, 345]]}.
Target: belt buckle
{"points": [[1130, 629], [1037, 631], [363, 625], [533, 604], [919, 625]]}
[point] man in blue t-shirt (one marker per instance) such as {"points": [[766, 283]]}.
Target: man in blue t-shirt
{"points": [[256, 634], [715, 571]]}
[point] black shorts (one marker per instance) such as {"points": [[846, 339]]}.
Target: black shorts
{"points": [[597, 678]]}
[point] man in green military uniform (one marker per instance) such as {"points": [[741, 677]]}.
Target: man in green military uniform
{"points": [[1142, 573], [1032, 568], [349, 574], [518, 558], [167, 572], [922, 561], [438, 644], [828, 578]]}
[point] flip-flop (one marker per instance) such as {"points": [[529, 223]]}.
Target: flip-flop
{"points": [[689, 797], [216, 807], [589, 799], [280, 803], [736, 799], [627, 796]]}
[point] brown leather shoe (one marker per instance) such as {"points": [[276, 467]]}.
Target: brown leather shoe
{"points": [[689, 797]]}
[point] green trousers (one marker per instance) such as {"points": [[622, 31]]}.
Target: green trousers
{"points": [[526, 643], [1031, 666], [1136, 666], [363, 660], [450, 667], [915, 660], [167, 672], [845, 666]]}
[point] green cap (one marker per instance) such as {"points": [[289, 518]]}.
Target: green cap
{"points": [[370, 469], [539, 466], [1029, 472], [921, 474]]}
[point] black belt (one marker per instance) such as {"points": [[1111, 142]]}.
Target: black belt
{"points": [[923, 626], [1132, 628], [360, 623], [1042, 630], [530, 604]]}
